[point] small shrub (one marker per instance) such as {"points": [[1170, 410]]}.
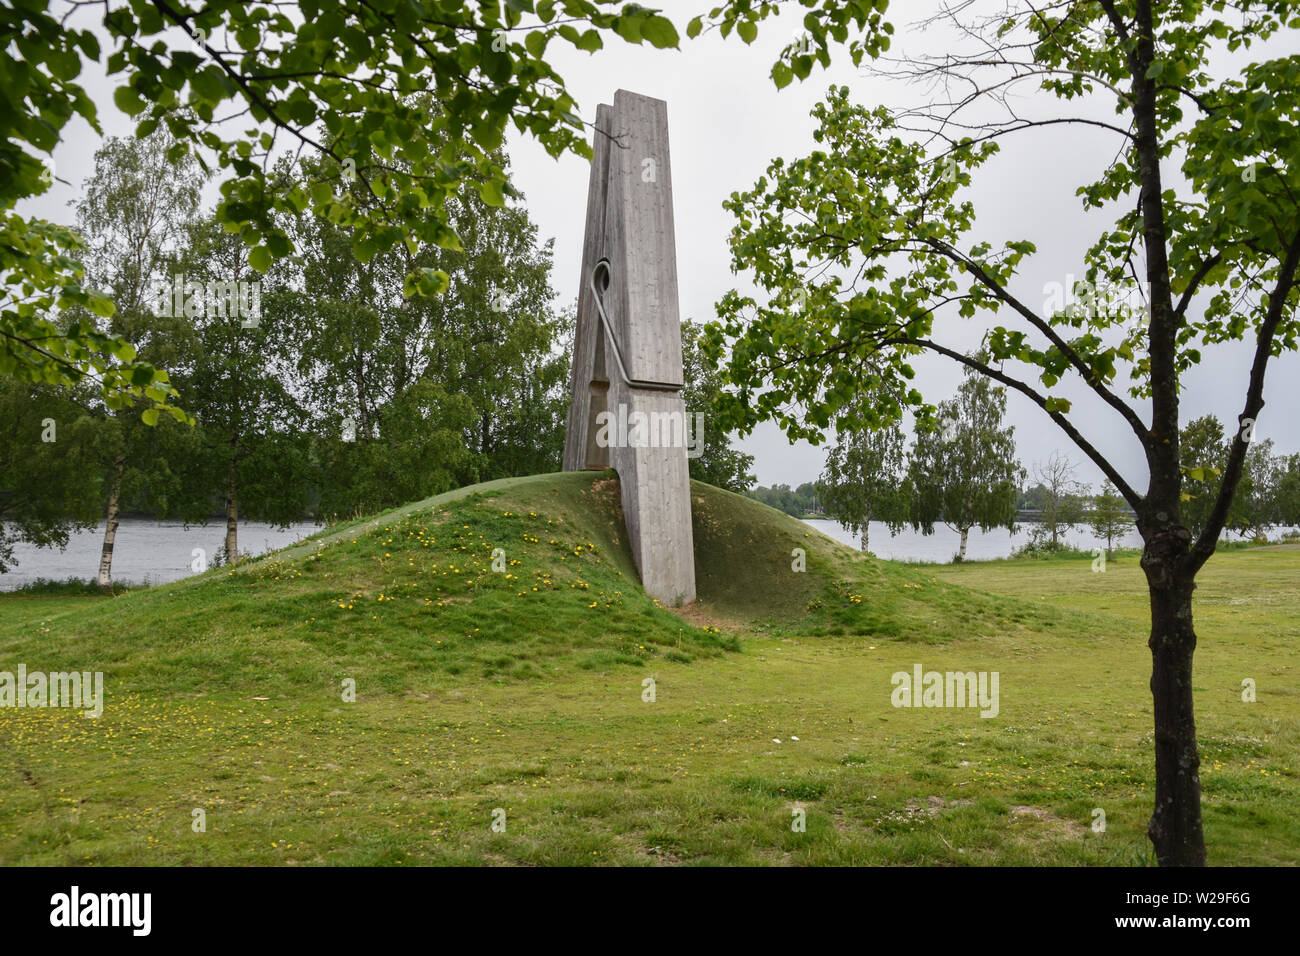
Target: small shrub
{"points": [[1045, 548]]}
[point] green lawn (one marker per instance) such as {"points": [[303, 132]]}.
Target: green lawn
{"points": [[477, 692]]}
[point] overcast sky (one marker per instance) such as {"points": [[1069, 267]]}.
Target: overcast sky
{"points": [[727, 121]]}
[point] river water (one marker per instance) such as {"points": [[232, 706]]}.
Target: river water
{"points": [[940, 547], [145, 552], [155, 552]]}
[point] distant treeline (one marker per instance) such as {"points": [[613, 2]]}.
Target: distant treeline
{"points": [[793, 501]]}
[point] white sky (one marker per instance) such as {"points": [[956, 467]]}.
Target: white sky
{"points": [[727, 121]]}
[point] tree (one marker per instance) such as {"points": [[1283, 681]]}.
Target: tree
{"points": [[412, 396], [808, 496], [870, 232], [1062, 499], [865, 470], [795, 502], [1203, 454], [253, 454], [132, 217], [50, 481], [1288, 491], [1258, 504], [1031, 499], [1109, 517], [963, 469], [717, 463]]}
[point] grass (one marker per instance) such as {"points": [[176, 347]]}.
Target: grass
{"points": [[72, 586], [475, 692]]}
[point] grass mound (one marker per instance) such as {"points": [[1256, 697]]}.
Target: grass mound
{"points": [[762, 570], [507, 580]]}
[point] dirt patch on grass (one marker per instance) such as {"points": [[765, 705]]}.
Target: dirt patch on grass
{"points": [[703, 614], [1068, 827], [933, 806]]}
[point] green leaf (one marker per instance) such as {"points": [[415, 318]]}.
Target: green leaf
{"points": [[535, 43], [487, 134], [491, 192], [431, 282], [209, 84], [629, 28], [128, 101], [260, 259], [660, 32], [101, 306]]}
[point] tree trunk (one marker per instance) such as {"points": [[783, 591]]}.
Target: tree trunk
{"points": [[363, 406], [232, 520], [866, 529], [961, 554], [1175, 828], [110, 524]]}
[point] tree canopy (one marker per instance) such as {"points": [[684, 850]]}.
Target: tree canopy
{"points": [[238, 84]]}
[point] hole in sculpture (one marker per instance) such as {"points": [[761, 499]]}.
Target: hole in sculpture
{"points": [[598, 387]]}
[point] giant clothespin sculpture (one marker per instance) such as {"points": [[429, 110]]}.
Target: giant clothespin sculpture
{"points": [[627, 410]]}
